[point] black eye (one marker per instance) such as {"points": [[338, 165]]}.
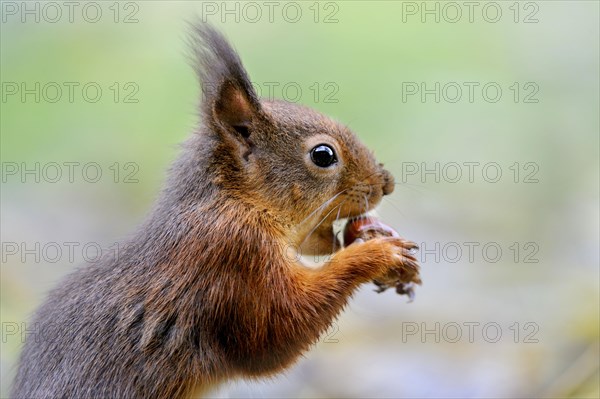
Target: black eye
{"points": [[323, 156]]}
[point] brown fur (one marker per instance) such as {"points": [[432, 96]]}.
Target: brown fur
{"points": [[204, 291]]}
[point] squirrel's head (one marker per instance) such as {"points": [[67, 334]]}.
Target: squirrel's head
{"points": [[301, 166]]}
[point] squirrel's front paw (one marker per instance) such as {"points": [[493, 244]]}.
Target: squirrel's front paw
{"points": [[404, 274], [381, 256], [398, 256], [402, 271]]}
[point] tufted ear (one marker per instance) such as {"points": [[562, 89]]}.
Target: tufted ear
{"points": [[229, 100]]}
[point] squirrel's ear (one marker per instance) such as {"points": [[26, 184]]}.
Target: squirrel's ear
{"points": [[232, 108], [228, 96]]}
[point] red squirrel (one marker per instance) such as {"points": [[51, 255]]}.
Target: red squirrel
{"points": [[204, 291]]}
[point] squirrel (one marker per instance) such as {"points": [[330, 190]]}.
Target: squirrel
{"points": [[204, 291]]}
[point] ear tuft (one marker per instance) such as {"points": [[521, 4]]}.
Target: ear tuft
{"points": [[228, 95]]}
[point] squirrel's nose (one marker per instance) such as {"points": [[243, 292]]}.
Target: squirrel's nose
{"points": [[388, 182]]}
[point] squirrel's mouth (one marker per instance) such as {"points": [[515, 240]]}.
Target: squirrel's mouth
{"points": [[359, 205]]}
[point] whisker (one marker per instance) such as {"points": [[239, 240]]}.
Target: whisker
{"points": [[347, 216], [366, 203], [321, 222], [417, 188], [374, 173], [414, 187], [325, 204], [395, 207], [333, 240]]}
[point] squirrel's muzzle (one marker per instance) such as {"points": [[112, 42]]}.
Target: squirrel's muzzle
{"points": [[388, 182]]}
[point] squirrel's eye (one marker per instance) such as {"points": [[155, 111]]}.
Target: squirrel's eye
{"points": [[323, 156]]}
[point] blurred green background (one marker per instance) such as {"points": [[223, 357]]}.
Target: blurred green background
{"points": [[353, 60]]}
